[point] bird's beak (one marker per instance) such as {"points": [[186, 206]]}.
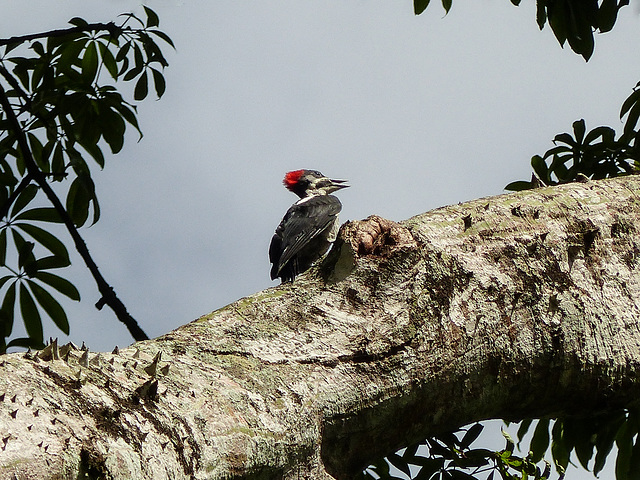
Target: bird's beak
{"points": [[338, 184]]}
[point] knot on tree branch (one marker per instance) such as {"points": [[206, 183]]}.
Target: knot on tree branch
{"points": [[376, 236]]}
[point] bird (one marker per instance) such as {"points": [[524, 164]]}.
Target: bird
{"points": [[309, 226]]}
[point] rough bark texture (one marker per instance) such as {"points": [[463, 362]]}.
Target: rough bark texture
{"points": [[506, 307]]}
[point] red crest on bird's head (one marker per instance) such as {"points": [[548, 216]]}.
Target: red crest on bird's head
{"points": [[291, 178]]}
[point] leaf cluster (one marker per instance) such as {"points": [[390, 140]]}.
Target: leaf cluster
{"points": [[59, 111], [572, 21], [451, 457], [591, 439], [596, 154]]}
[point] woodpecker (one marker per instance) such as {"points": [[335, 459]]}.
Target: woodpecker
{"points": [[309, 226]]}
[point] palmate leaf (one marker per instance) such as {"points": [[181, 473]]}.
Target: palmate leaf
{"points": [[3, 247], [142, 87], [108, 60], [113, 128], [152, 17], [90, 62], [46, 239], [420, 6], [62, 285], [50, 262], [399, 462], [471, 435], [25, 342], [167, 39], [7, 311], [24, 198], [42, 214], [51, 306], [67, 105], [80, 195], [540, 440], [159, 82], [30, 315]]}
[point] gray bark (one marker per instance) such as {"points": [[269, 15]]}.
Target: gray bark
{"points": [[514, 306]]}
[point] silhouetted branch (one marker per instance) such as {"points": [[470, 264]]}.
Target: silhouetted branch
{"points": [[111, 27], [109, 296]]}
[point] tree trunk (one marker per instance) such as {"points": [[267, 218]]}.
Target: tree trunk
{"points": [[514, 306]]}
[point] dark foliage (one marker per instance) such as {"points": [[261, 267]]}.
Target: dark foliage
{"points": [[59, 110]]}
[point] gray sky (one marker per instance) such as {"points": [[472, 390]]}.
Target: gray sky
{"points": [[417, 112]]}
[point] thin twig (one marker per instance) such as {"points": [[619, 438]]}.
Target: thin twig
{"points": [[109, 296]]}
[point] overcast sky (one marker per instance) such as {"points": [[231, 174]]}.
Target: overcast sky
{"points": [[416, 112]]}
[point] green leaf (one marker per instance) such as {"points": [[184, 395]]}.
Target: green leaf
{"points": [[94, 150], [159, 82], [37, 152], [24, 198], [447, 5], [7, 311], [629, 102], [138, 58], [78, 22], [108, 60], [129, 114], [634, 464], [524, 425], [25, 343], [420, 6], [57, 163], [632, 119], [42, 214], [52, 261], [62, 285], [471, 435], [540, 440], [3, 247], [51, 306], [78, 202], [122, 53], [142, 87], [167, 39], [607, 15], [559, 449], [26, 259], [460, 475], [518, 186], [624, 442], [510, 443], [90, 62], [113, 129], [30, 315], [5, 279], [152, 17], [541, 169], [70, 56], [398, 462], [46, 239]]}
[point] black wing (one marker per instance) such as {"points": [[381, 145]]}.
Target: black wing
{"points": [[304, 221]]}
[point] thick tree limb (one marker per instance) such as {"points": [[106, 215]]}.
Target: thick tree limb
{"points": [[506, 307]]}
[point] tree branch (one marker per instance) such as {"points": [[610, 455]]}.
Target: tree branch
{"points": [[515, 306], [108, 294], [111, 27]]}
